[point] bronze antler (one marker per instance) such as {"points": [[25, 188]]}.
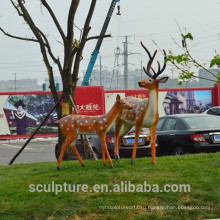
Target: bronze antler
{"points": [[149, 67]]}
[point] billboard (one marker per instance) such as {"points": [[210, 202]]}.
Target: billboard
{"points": [[21, 113], [171, 101], [186, 101]]}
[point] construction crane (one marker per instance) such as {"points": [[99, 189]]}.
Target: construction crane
{"points": [[95, 53]]}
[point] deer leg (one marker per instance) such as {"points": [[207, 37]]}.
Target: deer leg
{"points": [[65, 145], [137, 133], [124, 130], [118, 124], [77, 155], [105, 149], [103, 156], [153, 143]]}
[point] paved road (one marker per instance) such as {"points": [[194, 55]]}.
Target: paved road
{"points": [[38, 150]]}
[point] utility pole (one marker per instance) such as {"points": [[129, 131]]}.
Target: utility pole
{"points": [[126, 63], [126, 60], [15, 82]]}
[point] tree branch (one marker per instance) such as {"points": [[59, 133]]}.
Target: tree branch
{"points": [[57, 61], [17, 8], [86, 30], [55, 20], [19, 38], [198, 64], [36, 31], [97, 37], [70, 22]]}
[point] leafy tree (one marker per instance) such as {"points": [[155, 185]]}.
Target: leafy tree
{"points": [[185, 62], [72, 47]]}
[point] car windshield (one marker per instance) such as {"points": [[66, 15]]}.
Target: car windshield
{"points": [[203, 122]]}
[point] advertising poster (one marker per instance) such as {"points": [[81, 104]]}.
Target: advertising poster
{"points": [[90, 100], [188, 101], [21, 114]]}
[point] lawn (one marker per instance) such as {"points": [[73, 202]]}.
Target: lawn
{"points": [[200, 171]]}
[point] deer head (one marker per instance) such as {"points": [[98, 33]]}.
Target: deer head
{"points": [[151, 82], [122, 104]]}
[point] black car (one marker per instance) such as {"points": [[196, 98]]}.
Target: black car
{"points": [[188, 133]]}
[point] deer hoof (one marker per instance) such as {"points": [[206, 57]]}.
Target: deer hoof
{"points": [[59, 168], [104, 164], [83, 165], [132, 161], [154, 163], [112, 167], [117, 157]]}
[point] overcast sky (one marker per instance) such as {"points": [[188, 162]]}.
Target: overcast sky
{"points": [[141, 20]]}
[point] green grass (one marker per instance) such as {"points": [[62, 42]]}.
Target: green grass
{"points": [[201, 171]]}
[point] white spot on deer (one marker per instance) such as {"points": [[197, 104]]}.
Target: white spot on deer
{"points": [[94, 121], [90, 127], [72, 125], [67, 129], [86, 121], [81, 123], [72, 118], [61, 125], [65, 120], [77, 121], [104, 119]]}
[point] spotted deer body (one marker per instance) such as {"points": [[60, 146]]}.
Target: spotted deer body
{"points": [[73, 125], [144, 112]]}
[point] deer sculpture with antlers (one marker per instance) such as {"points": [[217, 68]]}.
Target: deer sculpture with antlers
{"points": [[73, 125], [144, 112]]}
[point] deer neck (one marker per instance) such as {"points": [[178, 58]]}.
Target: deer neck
{"points": [[112, 114], [153, 99], [151, 114]]}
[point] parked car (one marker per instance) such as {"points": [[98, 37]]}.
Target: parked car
{"points": [[188, 133], [213, 111]]}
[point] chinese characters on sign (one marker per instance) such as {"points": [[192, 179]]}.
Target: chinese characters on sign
{"points": [[91, 107]]}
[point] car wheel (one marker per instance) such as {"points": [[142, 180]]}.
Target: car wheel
{"points": [[178, 151]]}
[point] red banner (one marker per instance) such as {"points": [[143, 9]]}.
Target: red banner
{"points": [[90, 100]]}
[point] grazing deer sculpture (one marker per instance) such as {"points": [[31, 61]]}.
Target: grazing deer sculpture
{"points": [[144, 112], [73, 125]]}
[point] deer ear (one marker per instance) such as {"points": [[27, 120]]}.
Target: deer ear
{"points": [[118, 98], [163, 79]]}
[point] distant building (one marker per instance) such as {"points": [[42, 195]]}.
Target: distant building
{"points": [[20, 85]]}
